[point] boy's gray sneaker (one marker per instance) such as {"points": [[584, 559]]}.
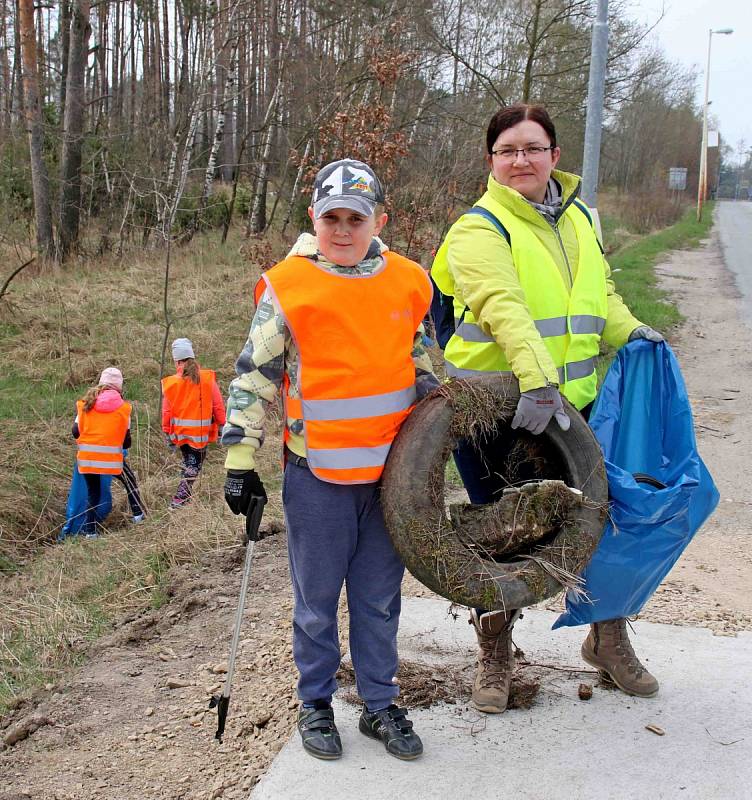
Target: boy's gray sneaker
{"points": [[392, 726], [318, 731]]}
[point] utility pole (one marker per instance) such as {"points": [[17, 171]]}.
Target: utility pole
{"points": [[594, 121], [702, 177]]}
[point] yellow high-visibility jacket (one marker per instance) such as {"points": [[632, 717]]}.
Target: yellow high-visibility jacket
{"points": [[537, 304]]}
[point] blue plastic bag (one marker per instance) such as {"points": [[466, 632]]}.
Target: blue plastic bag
{"points": [[643, 421], [78, 500]]}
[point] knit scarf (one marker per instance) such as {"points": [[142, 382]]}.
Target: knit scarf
{"points": [[550, 208]]}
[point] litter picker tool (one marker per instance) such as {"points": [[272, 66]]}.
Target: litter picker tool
{"points": [[222, 702]]}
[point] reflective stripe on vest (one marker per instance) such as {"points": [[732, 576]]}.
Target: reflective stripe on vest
{"points": [[356, 376], [375, 405], [99, 448], [191, 406], [101, 467], [182, 438], [571, 338], [553, 326], [463, 372]]}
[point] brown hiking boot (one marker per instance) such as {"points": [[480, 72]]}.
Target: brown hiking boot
{"points": [[495, 660], [608, 648]]}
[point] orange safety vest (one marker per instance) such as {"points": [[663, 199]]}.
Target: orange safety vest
{"points": [[100, 439], [191, 408], [356, 376]]}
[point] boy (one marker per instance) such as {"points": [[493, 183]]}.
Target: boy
{"points": [[339, 332]]}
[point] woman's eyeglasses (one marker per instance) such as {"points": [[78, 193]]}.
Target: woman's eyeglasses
{"points": [[530, 153]]}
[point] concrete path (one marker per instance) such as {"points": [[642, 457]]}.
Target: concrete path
{"points": [[562, 747]]}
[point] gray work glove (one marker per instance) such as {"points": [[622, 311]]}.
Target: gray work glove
{"points": [[536, 407], [646, 332]]}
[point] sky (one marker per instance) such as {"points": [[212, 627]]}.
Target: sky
{"points": [[683, 36]]}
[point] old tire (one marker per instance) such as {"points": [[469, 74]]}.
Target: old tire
{"points": [[413, 498]]}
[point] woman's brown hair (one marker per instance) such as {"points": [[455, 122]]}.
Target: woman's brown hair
{"points": [[191, 370], [509, 116]]}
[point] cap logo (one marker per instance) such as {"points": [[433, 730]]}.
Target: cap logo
{"points": [[347, 184], [344, 180]]}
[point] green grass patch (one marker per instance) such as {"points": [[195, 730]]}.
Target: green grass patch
{"points": [[633, 272], [158, 566], [634, 275], [451, 475]]}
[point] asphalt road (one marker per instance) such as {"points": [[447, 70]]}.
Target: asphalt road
{"points": [[734, 225]]}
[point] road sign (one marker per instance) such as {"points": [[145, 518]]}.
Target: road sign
{"points": [[677, 178]]}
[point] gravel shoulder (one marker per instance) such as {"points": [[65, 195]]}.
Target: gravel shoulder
{"points": [[709, 586], [132, 721]]}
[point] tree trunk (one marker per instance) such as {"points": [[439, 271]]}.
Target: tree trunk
{"points": [[39, 177], [527, 83], [257, 219], [218, 136], [5, 89], [296, 185], [132, 109], [73, 133]]}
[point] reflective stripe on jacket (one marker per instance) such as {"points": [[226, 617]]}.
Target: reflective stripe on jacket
{"points": [[356, 376], [191, 420], [100, 439], [536, 305]]}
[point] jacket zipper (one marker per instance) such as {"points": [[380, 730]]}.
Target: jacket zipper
{"points": [[555, 228]]}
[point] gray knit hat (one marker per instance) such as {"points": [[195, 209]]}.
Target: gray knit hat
{"points": [[182, 348]]}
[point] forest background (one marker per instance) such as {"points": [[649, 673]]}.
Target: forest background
{"points": [[124, 124]]}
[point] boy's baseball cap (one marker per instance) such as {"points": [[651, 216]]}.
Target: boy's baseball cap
{"points": [[346, 184]]}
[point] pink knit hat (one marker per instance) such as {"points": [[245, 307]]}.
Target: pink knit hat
{"points": [[113, 377]]}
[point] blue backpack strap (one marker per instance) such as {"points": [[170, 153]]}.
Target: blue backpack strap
{"points": [[586, 211], [485, 213], [442, 307]]}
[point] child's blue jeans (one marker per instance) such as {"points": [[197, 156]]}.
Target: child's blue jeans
{"points": [[336, 535]]}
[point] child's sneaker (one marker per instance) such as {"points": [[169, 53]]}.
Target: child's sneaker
{"points": [[318, 731], [182, 496], [138, 518], [392, 726]]}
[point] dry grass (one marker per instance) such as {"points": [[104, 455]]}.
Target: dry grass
{"points": [[425, 685], [68, 594], [58, 332]]}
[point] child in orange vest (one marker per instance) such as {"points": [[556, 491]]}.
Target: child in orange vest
{"points": [[192, 412], [338, 330], [102, 432]]}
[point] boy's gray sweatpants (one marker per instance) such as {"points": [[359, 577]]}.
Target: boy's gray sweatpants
{"points": [[336, 535]]}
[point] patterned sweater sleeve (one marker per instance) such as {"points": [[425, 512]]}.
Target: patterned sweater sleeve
{"points": [[425, 380], [260, 372]]}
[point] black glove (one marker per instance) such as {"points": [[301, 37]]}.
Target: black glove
{"points": [[240, 487]]}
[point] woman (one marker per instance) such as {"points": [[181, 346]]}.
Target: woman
{"points": [[532, 297], [102, 432], [192, 412]]}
